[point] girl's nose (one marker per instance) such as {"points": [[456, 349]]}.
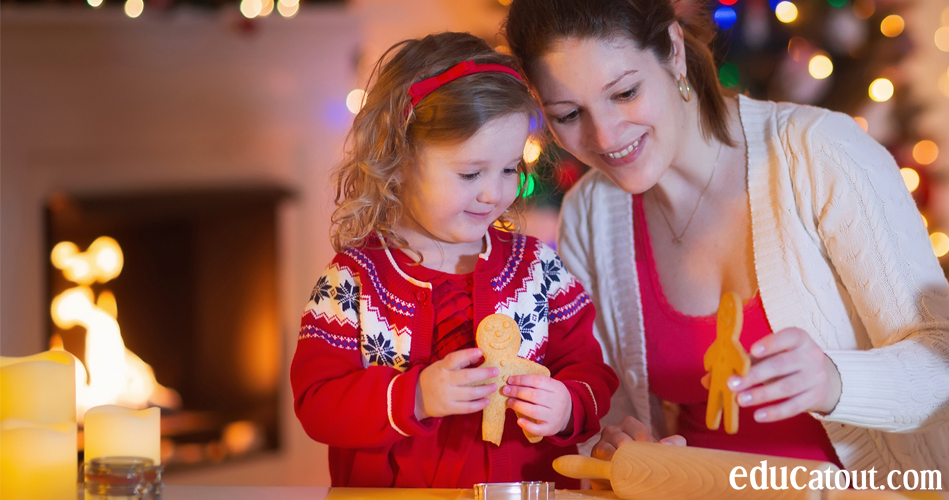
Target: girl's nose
{"points": [[490, 194]]}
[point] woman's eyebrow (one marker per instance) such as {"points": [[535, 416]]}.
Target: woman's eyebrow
{"points": [[614, 82], [605, 88]]}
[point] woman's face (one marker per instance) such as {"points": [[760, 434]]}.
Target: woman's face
{"points": [[615, 107]]}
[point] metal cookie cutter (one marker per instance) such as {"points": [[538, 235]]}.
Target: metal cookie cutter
{"points": [[526, 490]]}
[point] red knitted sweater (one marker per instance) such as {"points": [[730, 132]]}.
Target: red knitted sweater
{"points": [[367, 333]]}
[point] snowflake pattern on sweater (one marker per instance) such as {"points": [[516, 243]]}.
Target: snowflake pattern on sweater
{"points": [[349, 289]]}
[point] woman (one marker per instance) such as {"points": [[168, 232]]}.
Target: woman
{"points": [[696, 192]]}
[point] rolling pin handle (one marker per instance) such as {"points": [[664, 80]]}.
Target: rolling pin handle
{"points": [[581, 467]]}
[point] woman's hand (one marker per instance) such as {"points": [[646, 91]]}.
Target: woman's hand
{"points": [[613, 436], [788, 365], [444, 389], [541, 398]]}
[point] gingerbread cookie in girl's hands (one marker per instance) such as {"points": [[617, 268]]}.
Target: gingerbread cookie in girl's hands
{"points": [[724, 358], [499, 338]]}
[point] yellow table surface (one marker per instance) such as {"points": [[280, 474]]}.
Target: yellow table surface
{"points": [[181, 492]]}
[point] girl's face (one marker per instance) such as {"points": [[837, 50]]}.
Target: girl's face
{"points": [[615, 107], [458, 190]]}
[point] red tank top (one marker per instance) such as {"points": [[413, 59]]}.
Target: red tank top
{"points": [[675, 347]]}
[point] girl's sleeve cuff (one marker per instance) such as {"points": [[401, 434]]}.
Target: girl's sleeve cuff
{"points": [[583, 404], [400, 402]]}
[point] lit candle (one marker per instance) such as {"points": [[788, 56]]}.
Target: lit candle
{"points": [[38, 426], [37, 461], [40, 388], [114, 431]]}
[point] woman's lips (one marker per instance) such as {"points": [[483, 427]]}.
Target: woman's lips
{"points": [[626, 155]]}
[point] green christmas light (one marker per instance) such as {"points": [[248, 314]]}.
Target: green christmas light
{"points": [[728, 75], [526, 185]]}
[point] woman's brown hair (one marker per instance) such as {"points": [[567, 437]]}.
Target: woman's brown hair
{"points": [[533, 26], [383, 145]]}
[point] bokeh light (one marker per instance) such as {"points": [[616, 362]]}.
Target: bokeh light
{"points": [[728, 75], [527, 186], [355, 100], [864, 124], [532, 151], [892, 25], [95, 3], [134, 8], [288, 8], [266, 8], [250, 8], [881, 90], [725, 17], [940, 243], [863, 9], [837, 3], [925, 152], [820, 66], [942, 38], [727, 2], [925, 221], [910, 178], [786, 12]]}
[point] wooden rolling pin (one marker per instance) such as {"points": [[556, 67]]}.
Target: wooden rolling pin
{"points": [[650, 470]]}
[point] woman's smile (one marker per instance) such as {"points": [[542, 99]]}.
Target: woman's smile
{"points": [[626, 155]]}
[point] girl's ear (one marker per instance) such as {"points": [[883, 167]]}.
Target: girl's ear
{"points": [[678, 66]]}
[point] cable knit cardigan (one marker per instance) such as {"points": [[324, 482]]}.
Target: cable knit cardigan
{"points": [[840, 251]]}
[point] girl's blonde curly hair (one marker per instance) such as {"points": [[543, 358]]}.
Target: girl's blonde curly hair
{"points": [[383, 145]]}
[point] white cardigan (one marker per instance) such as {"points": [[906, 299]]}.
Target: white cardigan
{"points": [[840, 251]]}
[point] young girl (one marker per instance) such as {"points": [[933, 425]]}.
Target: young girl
{"points": [[386, 356]]}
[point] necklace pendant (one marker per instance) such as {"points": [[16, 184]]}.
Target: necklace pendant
{"points": [[677, 240]]}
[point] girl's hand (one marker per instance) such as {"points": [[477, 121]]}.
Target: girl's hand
{"points": [[789, 365], [444, 389], [541, 398]]}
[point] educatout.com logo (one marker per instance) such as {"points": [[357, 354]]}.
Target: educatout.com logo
{"points": [[763, 477]]}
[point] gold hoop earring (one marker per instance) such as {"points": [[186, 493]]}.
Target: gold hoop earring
{"points": [[684, 88]]}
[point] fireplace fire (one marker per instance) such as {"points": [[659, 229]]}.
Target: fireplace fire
{"points": [[116, 375], [191, 279]]}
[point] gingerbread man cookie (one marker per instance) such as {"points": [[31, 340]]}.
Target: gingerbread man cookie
{"points": [[724, 358], [499, 338]]}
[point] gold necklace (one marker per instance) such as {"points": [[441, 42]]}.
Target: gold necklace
{"points": [[678, 238]]}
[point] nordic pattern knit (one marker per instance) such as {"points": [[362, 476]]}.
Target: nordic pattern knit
{"points": [[840, 251], [367, 333]]}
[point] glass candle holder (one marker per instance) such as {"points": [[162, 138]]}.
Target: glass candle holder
{"points": [[122, 478]]}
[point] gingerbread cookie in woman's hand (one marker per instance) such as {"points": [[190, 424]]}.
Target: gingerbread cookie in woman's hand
{"points": [[499, 338], [724, 358]]}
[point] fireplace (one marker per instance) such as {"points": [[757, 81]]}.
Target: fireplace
{"points": [[197, 300]]}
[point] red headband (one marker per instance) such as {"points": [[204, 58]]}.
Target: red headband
{"points": [[419, 90]]}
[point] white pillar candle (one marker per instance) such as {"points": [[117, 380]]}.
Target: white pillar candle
{"points": [[37, 461], [112, 431], [38, 426], [40, 388]]}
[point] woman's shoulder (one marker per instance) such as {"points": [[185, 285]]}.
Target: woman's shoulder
{"points": [[799, 125]]}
